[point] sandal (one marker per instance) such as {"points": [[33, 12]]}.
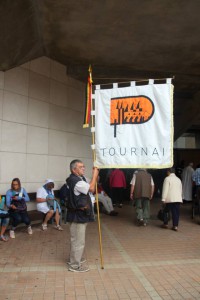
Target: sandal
{"points": [[44, 227], [3, 238], [58, 227]]}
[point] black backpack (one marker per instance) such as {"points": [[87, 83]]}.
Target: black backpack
{"points": [[64, 195]]}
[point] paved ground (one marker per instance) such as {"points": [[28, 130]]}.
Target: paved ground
{"points": [[140, 263]]}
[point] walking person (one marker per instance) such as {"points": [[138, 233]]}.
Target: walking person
{"points": [[142, 189], [187, 183], [79, 213], [117, 185], [172, 197], [196, 179]]}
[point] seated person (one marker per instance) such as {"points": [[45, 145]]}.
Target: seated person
{"points": [[106, 201], [16, 199], [4, 220], [47, 204]]}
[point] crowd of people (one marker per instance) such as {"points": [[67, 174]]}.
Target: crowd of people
{"points": [[82, 195]]}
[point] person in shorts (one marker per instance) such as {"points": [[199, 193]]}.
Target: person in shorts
{"points": [[45, 194]]}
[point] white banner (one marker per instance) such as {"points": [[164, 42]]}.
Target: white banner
{"points": [[134, 126]]}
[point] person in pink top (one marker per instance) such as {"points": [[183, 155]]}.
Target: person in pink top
{"points": [[117, 185]]}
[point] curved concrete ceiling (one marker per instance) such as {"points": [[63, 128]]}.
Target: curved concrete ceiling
{"points": [[123, 40]]}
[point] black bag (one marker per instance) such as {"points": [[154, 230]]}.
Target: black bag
{"points": [[20, 205], [163, 215], [64, 195]]}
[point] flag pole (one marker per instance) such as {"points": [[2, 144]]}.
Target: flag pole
{"points": [[96, 197], [88, 107]]}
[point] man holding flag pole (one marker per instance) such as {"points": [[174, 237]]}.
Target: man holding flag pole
{"points": [[79, 213]]}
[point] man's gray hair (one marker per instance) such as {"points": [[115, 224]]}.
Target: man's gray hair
{"points": [[73, 163]]}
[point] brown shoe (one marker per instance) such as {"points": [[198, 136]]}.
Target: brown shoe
{"points": [[113, 213], [165, 226], [175, 228], [140, 222]]}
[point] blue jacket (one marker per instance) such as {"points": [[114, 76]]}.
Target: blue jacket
{"points": [[10, 193]]}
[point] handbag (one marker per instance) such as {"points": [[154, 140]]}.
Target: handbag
{"points": [[19, 204], [163, 215]]}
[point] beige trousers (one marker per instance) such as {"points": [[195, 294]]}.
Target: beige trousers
{"points": [[77, 243]]}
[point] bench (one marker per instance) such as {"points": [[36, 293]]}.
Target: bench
{"points": [[34, 214]]}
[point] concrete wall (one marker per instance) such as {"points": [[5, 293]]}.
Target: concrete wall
{"points": [[41, 115], [186, 142]]}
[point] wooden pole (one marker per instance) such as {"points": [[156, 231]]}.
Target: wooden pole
{"points": [[97, 200]]}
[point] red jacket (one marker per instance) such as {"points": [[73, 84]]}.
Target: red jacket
{"points": [[117, 179]]}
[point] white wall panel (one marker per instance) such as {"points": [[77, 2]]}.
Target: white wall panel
{"points": [[37, 140], [74, 121], [16, 80], [79, 146], [4, 187], [1, 103], [41, 117], [15, 107], [58, 118], [75, 99], [75, 83], [74, 145], [39, 87], [13, 165], [58, 93], [41, 65], [57, 142], [86, 142], [14, 137], [1, 80], [32, 187], [0, 135], [57, 168], [38, 113], [58, 72], [36, 168]]}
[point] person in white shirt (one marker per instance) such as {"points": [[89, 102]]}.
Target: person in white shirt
{"points": [[44, 194], [106, 201], [172, 197], [79, 212], [187, 182]]}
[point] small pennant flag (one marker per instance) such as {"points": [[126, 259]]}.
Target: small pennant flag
{"points": [[88, 99]]}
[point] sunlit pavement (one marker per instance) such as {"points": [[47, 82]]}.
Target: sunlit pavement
{"points": [[139, 262]]}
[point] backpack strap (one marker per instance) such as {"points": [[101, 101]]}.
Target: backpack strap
{"points": [[21, 192]]}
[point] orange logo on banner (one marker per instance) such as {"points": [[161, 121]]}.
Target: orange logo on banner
{"points": [[130, 110]]}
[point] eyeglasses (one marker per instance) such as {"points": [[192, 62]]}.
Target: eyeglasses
{"points": [[15, 184]]}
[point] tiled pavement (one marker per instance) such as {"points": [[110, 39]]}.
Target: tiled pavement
{"points": [[139, 262]]}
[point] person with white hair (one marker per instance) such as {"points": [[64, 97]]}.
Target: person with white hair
{"points": [[187, 182], [79, 213], [44, 196], [172, 198]]}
